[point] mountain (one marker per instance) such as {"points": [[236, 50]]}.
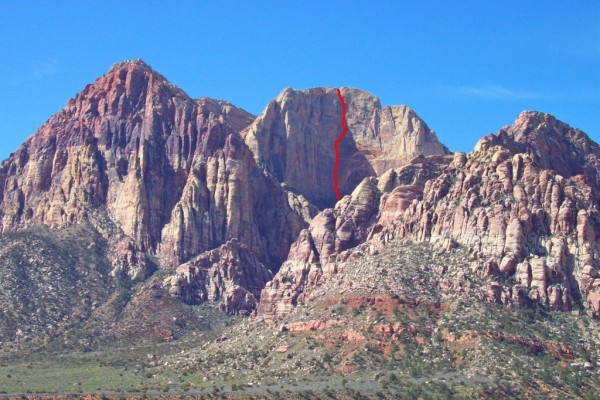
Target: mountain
{"points": [[138, 215], [523, 204], [173, 182], [170, 173], [294, 136]]}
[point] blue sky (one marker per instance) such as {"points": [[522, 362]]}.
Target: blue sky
{"points": [[467, 67]]}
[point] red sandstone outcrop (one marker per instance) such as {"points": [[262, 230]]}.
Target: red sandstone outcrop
{"points": [[154, 170], [231, 273], [322, 249], [522, 210]]}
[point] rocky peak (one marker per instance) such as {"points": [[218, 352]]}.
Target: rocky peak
{"points": [[293, 139], [552, 144], [172, 172], [130, 87], [138, 66], [543, 131], [136, 62]]}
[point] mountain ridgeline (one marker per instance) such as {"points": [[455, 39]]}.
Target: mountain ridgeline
{"points": [[240, 210]]}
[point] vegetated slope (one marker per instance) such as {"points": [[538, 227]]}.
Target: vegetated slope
{"points": [[59, 292], [51, 281], [410, 320], [387, 326]]}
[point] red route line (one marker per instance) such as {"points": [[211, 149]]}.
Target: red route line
{"points": [[337, 142]]}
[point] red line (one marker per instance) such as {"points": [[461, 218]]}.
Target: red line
{"points": [[337, 151]]}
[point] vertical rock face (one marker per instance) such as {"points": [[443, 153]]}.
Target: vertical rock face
{"points": [[294, 138], [387, 137], [126, 142], [170, 172], [227, 197], [524, 204]]}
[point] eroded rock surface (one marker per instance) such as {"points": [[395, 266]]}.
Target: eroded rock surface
{"points": [[156, 171], [225, 199], [331, 239], [527, 215], [293, 139], [231, 273]]}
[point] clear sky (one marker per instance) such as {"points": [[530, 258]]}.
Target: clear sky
{"points": [[466, 67]]}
